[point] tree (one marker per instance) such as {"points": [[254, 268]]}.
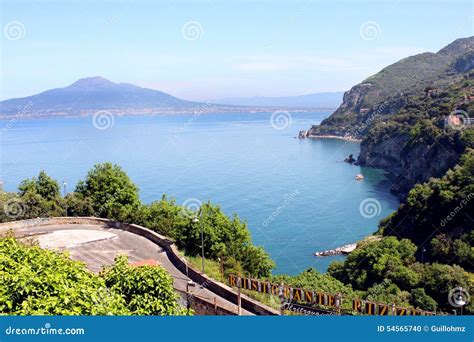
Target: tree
{"points": [[420, 300], [111, 192], [388, 258], [387, 292], [44, 186], [78, 205], [40, 197], [439, 279], [224, 237], [165, 217], [436, 214], [256, 261]]}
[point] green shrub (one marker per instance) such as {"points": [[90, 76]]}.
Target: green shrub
{"points": [[146, 290]]}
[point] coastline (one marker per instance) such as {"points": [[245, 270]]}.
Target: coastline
{"points": [[351, 139], [197, 111]]}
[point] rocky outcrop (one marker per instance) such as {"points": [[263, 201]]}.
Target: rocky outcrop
{"points": [[350, 159], [302, 134], [393, 111], [346, 249], [408, 163]]}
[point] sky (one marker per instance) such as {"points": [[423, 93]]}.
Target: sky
{"points": [[200, 50]]}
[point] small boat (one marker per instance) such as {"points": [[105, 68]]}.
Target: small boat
{"points": [[359, 177]]}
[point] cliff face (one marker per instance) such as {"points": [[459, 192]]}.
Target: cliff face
{"points": [[399, 114], [409, 163]]}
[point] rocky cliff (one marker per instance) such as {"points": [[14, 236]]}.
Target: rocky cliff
{"points": [[400, 113]]}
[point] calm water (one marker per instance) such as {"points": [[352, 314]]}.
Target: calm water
{"points": [[296, 195]]}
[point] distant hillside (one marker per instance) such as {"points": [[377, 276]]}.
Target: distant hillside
{"points": [[317, 100], [90, 95], [93, 93], [388, 91]]}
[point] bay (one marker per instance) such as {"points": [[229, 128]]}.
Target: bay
{"points": [[297, 196]]}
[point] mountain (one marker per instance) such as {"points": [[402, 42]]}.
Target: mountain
{"points": [[92, 94], [317, 100], [400, 115], [384, 93]]}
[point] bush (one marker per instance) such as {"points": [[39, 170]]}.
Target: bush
{"points": [[312, 279], [147, 290], [43, 282]]}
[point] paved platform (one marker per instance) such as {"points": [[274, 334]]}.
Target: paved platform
{"points": [[98, 246]]}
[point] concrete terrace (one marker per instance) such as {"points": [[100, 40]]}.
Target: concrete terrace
{"points": [[98, 246]]}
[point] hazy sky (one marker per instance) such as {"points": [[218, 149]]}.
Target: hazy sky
{"points": [[210, 49]]}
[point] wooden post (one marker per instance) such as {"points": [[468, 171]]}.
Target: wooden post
{"points": [[222, 267], [215, 305], [282, 299], [239, 299], [338, 303]]}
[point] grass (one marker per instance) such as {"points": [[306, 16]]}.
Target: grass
{"points": [[212, 268]]}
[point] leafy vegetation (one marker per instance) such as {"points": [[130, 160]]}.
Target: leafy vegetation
{"points": [[388, 271], [387, 92], [224, 237], [108, 192], [146, 290], [43, 282], [436, 216]]}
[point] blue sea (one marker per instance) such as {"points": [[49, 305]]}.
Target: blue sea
{"points": [[297, 196]]}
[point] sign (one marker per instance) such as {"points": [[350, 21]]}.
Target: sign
{"points": [[371, 308], [293, 297], [287, 293]]}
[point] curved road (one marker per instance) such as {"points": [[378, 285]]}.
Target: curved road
{"points": [[97, 246]]}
